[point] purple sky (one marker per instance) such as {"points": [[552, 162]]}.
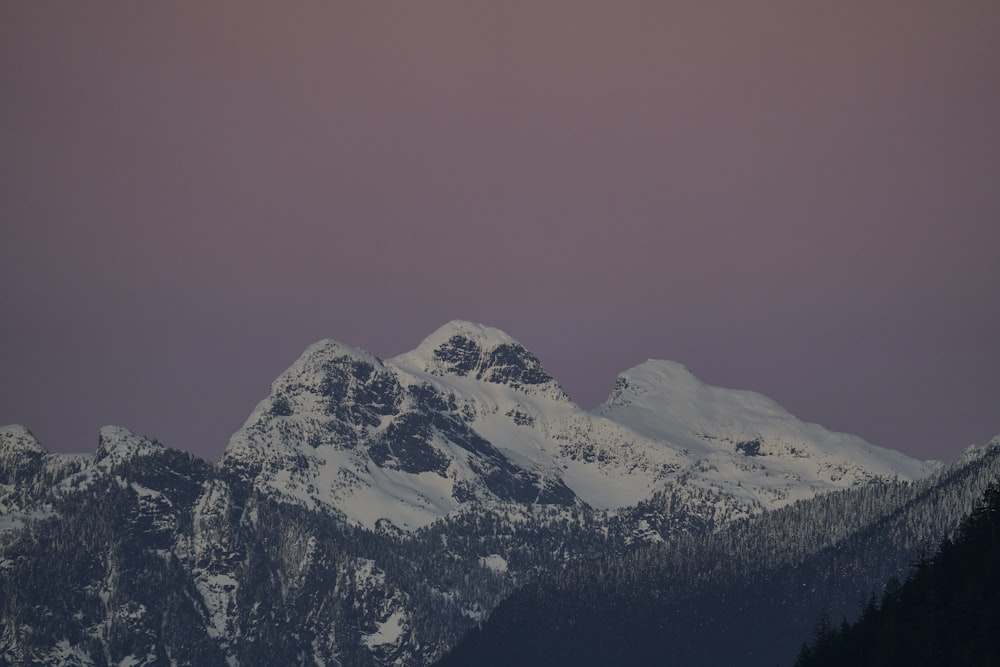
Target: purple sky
{"points": [[797, 198]]}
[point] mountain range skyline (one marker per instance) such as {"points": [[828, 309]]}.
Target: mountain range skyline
{"points": [[795, 199], [680, 398], [669, 372]]}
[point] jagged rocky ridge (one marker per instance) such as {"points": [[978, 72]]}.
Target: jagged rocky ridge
{"points": [[370, 512], [470, 418]]}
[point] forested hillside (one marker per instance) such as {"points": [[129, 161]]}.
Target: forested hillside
{"points": [[946, 613], [749, 594]]}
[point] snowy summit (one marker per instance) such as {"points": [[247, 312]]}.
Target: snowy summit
{"points": [[471, 417]]}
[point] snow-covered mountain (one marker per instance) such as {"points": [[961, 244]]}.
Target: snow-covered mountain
{"points": [[370, 511], [345, 432], [470, 417]]}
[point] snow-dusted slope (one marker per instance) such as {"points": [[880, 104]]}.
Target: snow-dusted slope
{"points": [[510, 400], [344, 432], [741, 437], [470, 417], [29, 475]]}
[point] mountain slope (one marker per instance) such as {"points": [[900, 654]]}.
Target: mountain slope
{"points": [[760, 584], [369, 512], [344, 432], [252, 580], [470, 417], [946, 613], [746, 436]]}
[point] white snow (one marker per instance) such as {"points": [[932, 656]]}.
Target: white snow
{"points": [[665, 402], [388, 631], [494, 562], [407, 500]]}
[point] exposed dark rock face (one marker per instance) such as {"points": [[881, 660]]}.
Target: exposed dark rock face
{"points": [[750, 447], [505, 363], [405, 446], [460, 355]]}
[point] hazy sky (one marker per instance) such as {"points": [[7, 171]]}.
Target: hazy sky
{"points": [[800, 198]]}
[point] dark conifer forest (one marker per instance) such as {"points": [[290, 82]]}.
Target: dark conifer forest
{"points": [[750, 594], [946, 613]]}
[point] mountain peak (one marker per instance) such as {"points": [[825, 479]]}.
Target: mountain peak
{"points": [[470, 416], [15, 438], [674, 383], [117, 444], [653, 376], [326, 372], [485, 337], [466, 349], [327, 349]]}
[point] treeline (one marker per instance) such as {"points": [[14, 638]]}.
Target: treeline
{"points": [[747, 594], [946, 613]]}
